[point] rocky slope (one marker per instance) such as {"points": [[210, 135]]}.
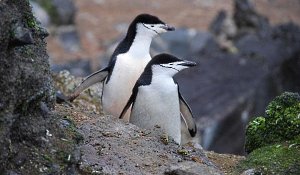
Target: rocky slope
{"points": [[112, 146]]}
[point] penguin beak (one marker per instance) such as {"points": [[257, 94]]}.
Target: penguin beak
{"points": [[188, 64], [168, 28]]}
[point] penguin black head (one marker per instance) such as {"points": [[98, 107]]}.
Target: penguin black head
{"points": [[168, 64], [146, 24]]}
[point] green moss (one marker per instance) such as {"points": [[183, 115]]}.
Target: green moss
{"points": [[275, 159], [47, 158], [72, 132], [183, 152], [281, 123], [63, 156], [255, 134], [31, 22]]}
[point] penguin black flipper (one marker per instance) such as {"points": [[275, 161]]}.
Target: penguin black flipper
{"points": [[131, 101], [89, 81], [187, 115]]}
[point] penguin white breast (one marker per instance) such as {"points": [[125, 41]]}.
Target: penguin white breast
{"points": [[158, 104], [117, 91]]}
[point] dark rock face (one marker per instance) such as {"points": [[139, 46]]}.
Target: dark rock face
{"points": [[28, 128], [245, 16], [225, 89]]}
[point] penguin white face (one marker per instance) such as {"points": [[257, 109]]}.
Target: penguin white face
{"points": [[165, 64], [158, 28]]}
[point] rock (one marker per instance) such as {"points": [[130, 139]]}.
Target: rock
{"points": [[20, 35], [281, 123], [78, 68], [191, 168], [224, 29], [60, 97], [68, 38], [223, 24], [40, 14], [112, 147], [90, 98], [61, 12], [225, 90], [12, 173], [246, 17], [250, 172], [66, 11], [28, 126]]}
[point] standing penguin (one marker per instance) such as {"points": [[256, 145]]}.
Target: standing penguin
{"points": [[126, 64], [156, 99]]}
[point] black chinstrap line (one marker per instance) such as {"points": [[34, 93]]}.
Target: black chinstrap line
{"points": [[169, 67], [149, 28]]}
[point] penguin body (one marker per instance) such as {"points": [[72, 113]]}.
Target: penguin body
{"points": [[126, 64], [156, 99]]}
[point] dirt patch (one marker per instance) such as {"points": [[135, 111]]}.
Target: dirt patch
{"points": [[226, 162]]}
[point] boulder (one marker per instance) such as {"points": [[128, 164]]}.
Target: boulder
{"points": [[281, 123], [227, 88], [40, 13], [30, 132]]}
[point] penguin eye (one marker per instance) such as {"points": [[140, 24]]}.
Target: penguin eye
{"points": [[152, 25]]}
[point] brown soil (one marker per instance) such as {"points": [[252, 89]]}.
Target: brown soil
{"points": [[226, 162]]}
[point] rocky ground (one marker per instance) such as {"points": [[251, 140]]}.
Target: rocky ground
{"points": [[112, 146]]}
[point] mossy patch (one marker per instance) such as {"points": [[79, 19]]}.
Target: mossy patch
{"points": [[275, 159], [281, 123], [72, 132]]}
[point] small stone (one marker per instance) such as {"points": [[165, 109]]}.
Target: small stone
{"points": [[21, 35]]}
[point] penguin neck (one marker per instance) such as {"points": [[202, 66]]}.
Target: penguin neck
{"points": [[140, 47]]}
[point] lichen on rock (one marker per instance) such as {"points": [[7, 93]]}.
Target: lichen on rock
{"points": [[273, 141], [281, 123]]}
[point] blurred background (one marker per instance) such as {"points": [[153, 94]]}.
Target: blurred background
{"points": [[248, 51]]}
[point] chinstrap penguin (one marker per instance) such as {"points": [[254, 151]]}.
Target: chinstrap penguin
{"points": [[156, 99], [126, 64]]}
